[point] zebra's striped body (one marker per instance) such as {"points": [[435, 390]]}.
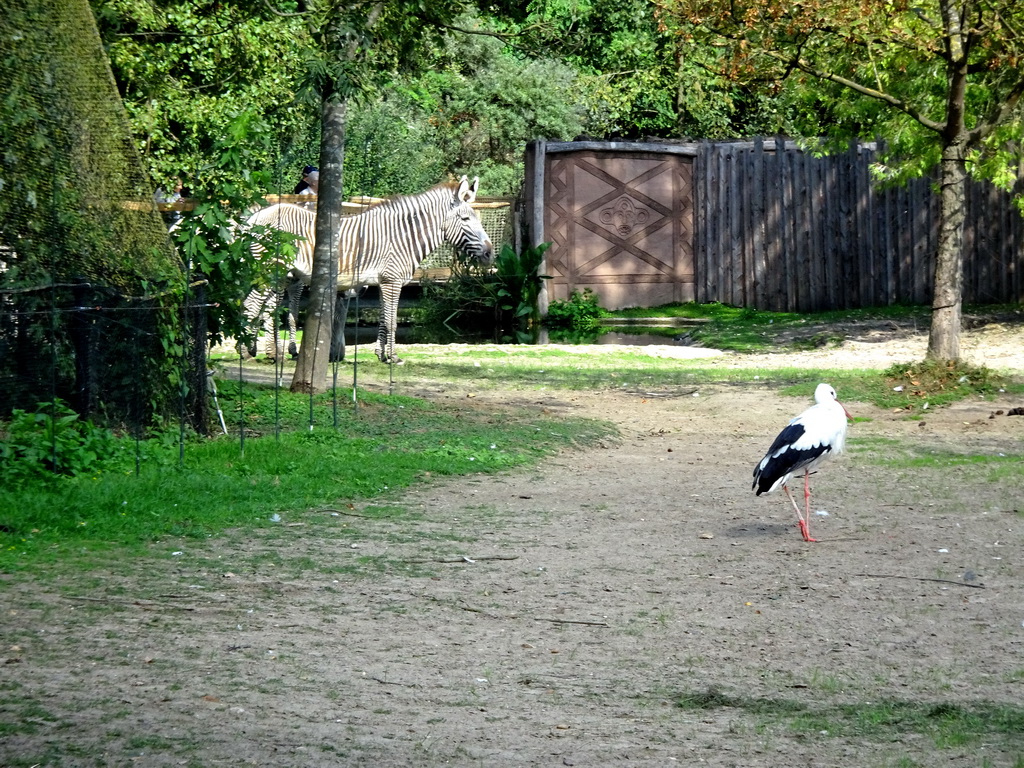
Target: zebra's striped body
{"points": [[385, 244], [293, 273], [298, 221], [381, 246]]}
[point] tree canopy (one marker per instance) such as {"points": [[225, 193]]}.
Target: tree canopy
{"points": [[941, 81], [910, 73], [186, 71]]}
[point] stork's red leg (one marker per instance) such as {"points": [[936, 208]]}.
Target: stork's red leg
{"points": [[807, 507], [804, 529]]}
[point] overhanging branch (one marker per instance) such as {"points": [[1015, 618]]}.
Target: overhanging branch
{"points": [[853, 85], [283, 14], [1000, 113]]}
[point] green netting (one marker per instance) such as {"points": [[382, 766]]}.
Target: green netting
{"points": [[74, 201], [83, 251], [497, 223]]}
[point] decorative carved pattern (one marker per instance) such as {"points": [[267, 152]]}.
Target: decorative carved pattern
{"points": [[624, 216], [621, 223]]}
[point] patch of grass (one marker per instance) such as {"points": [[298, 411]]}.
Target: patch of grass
{"points": [[818, 340], [911, 385], [626, 368], [631, 369], [901, 454], [154, 743], [690, 309], [939, 385], [948, 725], [746, 330], [389, 444], [742, 329], [667, 332], [23, 716]]}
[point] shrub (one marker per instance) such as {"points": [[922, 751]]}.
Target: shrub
{"points": [[519, 286], [501, 302], [580, 312], [54, 441]]}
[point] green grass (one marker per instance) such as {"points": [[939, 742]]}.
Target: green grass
{"points": [[902, 454], [538, 368], [390, 443], [948, 725], [750, 330], [633, 370], [915, 387]]}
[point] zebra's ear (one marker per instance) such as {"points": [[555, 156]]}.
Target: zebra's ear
{"points": [[467, 192]]}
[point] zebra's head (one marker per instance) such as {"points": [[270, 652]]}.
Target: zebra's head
{"points": [[462, 228]]}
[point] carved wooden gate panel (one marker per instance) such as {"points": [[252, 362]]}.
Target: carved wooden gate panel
{"points": [[621, 224]]}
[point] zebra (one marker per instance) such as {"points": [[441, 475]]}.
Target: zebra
{"points": [[381, 246], [264, 303], [297, 273], [385, 244]]}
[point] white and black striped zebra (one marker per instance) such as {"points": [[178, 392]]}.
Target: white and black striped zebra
{"points": [[386, 243], [381, 246], [293, 274]]}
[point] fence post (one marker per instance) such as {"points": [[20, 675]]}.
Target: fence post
{"points": [[199, 406], [534, 197]]}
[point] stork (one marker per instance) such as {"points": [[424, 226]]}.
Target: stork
{"points": [[809, 439]]}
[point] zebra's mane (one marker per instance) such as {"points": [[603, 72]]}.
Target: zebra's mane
{"points": [[393, 201]]}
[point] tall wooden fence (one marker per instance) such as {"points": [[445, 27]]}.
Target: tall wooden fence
{"points": [[773, 228], [780, 229]]}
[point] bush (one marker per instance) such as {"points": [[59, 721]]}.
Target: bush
{"points": [[518, 289], [54, 441], [580, 312], [501, 302]]}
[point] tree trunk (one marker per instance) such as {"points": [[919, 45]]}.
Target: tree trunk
{"points": [[314, 354], [947, 294]]}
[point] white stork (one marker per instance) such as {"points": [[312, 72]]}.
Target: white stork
{"points": [[809, 439]]}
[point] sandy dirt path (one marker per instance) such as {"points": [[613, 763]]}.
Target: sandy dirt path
{"points": [[627, 604]]}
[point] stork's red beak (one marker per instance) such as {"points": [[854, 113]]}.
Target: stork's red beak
{"points": [[845, 411]]}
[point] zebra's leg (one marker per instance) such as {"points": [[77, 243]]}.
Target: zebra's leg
{"points": [[255, 311], [389, 293], [338, 331], [294, 293], [271, 325]]}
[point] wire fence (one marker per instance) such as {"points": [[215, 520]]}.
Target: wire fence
{"points": [[133, 363], [96, 354], [97, 308]]}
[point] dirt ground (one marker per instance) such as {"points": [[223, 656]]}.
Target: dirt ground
{"points": [[632, 603]]}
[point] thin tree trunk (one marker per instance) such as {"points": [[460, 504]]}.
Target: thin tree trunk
{"points": [[947, 295], [314, 354], [341, 45]]}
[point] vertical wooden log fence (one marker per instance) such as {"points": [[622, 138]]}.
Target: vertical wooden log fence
{"points": [[779, 228], [784, 230]]}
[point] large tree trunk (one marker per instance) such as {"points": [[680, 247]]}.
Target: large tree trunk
{"points": [[947, 294], [314, 354]]}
